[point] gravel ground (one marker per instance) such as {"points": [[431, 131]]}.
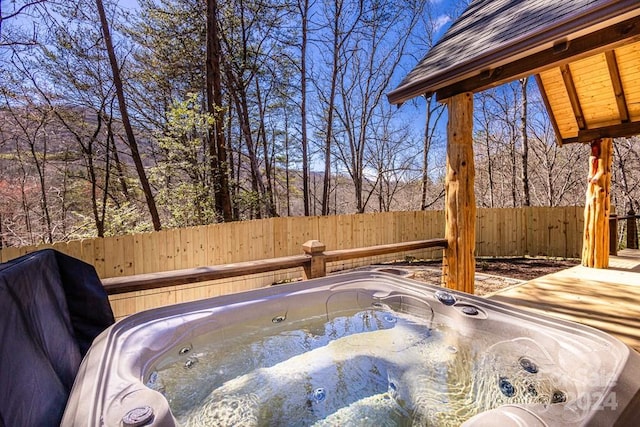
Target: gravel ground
{"points": [[492, 274]]}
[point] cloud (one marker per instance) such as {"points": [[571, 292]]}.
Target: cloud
{"points": [[440, 22]]}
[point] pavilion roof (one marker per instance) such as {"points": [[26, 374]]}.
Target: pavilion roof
{"points": [[585, 55]]}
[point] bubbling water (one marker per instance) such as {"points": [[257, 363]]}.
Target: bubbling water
{"points": [[370, 367]]}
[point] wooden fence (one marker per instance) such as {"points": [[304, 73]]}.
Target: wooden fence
{"points": [[555, 232]]}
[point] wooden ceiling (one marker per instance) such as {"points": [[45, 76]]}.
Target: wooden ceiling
{"points": [[597, 96]]}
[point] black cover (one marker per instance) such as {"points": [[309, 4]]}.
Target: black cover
{"points": [[52, 306]]}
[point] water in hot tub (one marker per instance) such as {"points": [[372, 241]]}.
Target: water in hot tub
{"points": [[371, 367]]}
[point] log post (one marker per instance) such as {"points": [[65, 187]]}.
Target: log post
{"points": [[318, 265], [460, 203], [595, 245]]}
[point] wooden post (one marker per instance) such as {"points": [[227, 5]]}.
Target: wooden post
{"points": [[460, 203], [613, 234], [318, 265], [632, 230], [595, 246]]}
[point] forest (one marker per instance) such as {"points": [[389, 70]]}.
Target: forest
{"points": [[131, 116]]}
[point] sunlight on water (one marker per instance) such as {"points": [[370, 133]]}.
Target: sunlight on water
{"points": [[373, 367]]}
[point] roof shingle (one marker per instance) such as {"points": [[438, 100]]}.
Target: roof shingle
{"points": [[493, 31]]}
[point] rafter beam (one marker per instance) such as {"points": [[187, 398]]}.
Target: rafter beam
{"points": [[615, 131], [573, 96], [547, 104], [612, 64]]}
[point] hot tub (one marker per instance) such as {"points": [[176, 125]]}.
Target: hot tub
{"points": [[353, 349]]}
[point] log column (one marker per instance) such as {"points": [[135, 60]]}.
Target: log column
{"points": [[460, 203], [595, 246]]}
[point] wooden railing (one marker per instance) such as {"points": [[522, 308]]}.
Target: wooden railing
{"points": [[313, 261], [163, 279], [632, 231]]}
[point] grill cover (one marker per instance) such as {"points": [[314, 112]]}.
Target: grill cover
{"points": [[52, 306]]}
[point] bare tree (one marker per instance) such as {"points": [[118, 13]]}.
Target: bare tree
{"points": [[126, 122], [73, 69], [500, 105], [342, 19], [370, 57], [19, 8], [557, 176], [248, 49], [32, 123], [485, 155], [433, 115], [429, 24], [393, 160], [304, 8], [627, 173], [525, 141]]}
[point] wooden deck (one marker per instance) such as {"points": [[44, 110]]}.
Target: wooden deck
{"points": [[608, 300]]}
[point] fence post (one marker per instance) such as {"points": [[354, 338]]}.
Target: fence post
{"points": [[318, 266], [613, 234], [632, 230]]}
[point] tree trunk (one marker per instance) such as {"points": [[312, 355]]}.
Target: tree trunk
{"points": [[23, 194], [525, 143], [433, 116], [460, 203], [271, 209], [330, 111], [425, 153], [234, 169], [304, 13], [217, 141], [287, 178], [595, 246], [91, 172], [632, 230], [243, 117], [120, 170], [487, 149], [133, 145], [107, 175], [44, 204], [327, 158], [622, 168], [514, 172]]}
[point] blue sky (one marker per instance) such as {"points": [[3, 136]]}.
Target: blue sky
{"points": [[414, 111], [440, 6]]}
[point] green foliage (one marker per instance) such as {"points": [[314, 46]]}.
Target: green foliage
{"points": [[248, 202], [169, 59], [183, 173], [126, 219]]}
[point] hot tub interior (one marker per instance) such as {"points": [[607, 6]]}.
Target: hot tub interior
{"points": [[359, 349]]}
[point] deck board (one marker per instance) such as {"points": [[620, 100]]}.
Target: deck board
{"points": [[608, 300]]}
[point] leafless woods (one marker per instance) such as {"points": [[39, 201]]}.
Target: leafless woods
{"points": [[131, 116]]}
